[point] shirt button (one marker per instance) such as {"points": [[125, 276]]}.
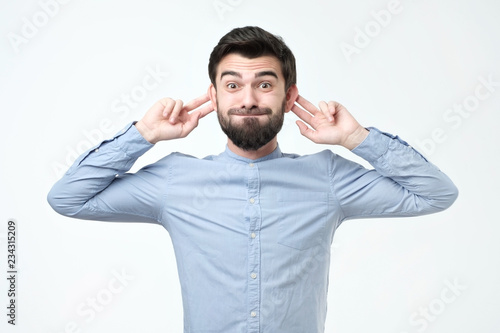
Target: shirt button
{"points": [[253, 235], [96, 150], [251, 165], [252, 200], [253, 314], [253, 276]]}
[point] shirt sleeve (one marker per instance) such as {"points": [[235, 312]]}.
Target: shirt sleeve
{"points": [[403, 182], [97, 187]]}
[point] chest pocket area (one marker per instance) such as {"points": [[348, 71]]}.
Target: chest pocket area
{"points": [[302, 221]]}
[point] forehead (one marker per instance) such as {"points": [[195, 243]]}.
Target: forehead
{"points": [[240, 64]]}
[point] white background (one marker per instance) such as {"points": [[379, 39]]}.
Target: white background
{"points": [[65, 69]]}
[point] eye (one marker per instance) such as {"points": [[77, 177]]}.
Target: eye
{"points": [[265, 85], [231, 85]]}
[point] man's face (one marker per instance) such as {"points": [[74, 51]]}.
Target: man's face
{"points": [[250, 99]]}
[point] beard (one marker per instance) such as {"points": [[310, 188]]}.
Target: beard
{"points": [[251, 134]]}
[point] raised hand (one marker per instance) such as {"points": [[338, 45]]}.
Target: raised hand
{"points": [[331, 123], [170, 119]]}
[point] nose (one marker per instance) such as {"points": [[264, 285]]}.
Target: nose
{"points": [[249, 98]]}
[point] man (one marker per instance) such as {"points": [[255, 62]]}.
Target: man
{"points": [[252, 226]]}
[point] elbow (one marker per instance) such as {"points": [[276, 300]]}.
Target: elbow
{"points": [[454, 195], [61, 203], [447, 198], [53, 201], [56, 202]]}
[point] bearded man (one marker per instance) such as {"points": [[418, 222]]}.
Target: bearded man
{"points": [[252, 226]]}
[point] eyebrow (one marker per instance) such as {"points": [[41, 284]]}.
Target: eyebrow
{"points": [[259, 74]]}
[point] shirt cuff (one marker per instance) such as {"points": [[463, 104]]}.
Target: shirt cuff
{"points": [[376, 144], [136, 145]]}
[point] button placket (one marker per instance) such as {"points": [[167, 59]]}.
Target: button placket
{"points": [[254, 217]]}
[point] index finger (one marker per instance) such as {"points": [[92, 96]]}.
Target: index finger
{"points": [[306, 104], [191, 105]]}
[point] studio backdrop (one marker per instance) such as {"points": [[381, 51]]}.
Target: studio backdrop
{"points": [[74, 73]]}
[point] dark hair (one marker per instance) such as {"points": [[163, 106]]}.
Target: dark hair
{"points": [[253, 42]]}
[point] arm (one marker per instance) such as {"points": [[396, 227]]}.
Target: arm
{"points": [[403, 183], [97, 186]]}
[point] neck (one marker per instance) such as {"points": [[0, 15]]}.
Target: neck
{"points": [[265, 150]]}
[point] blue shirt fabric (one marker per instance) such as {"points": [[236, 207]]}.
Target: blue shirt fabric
{"points": [[252, 237]]}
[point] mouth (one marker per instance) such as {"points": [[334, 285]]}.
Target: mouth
{"points": [[249, 113]]}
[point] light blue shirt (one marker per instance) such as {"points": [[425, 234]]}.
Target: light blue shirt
{"points": [[252, 237]]}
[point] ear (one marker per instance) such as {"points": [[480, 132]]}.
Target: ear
{"points": [[291, 96], [212, 93]]}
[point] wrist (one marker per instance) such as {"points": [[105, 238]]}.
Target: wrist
{"points": [[355, 138], [145, 132]]}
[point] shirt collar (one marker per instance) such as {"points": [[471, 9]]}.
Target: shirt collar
{"points": [[228, 155]]}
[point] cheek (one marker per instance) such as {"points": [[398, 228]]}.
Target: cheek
{"points": [[275, 101], [223, 100]]}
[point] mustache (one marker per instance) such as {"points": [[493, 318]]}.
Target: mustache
{"points": [[250, 111]]}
